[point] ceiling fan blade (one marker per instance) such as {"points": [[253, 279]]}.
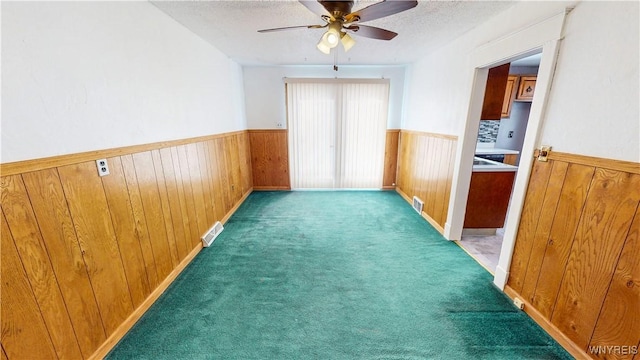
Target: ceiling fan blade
{"points": [[371, 32], [292, 28], [315, 7], [380, 10]]}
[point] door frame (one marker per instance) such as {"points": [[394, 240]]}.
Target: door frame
{"points": [[543, 36]]}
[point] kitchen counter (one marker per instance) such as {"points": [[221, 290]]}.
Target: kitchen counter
{"points": [[496, 151], [484, 165]]}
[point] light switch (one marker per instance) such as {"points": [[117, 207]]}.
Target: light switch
{"points": [[543, 153]]}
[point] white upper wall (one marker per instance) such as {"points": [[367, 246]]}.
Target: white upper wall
{"points": [[81, 76], [265, 90], [594, 101]]}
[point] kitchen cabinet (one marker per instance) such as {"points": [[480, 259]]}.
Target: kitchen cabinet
{"points": [[494, 93], [510, 159], [488, 201], [509, 95], [527, 88]]}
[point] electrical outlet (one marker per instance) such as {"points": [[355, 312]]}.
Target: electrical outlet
{"points": [[279, 125], [103, 167], [510, 134], [518, 303]]}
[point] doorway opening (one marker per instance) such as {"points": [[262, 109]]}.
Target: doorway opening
{"points": [[500, 139], [541, 37]]}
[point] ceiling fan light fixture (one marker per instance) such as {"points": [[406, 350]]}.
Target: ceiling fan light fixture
{"points": [[347, 42], [323, 47], [331, 38]]}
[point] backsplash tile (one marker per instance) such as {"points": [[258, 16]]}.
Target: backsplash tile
{"points": [[488, 131]]}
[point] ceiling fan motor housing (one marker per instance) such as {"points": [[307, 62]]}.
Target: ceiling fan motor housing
{"points": [[337, 9]]}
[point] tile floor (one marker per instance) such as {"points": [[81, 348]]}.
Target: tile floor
{"points": [[484, 248]]}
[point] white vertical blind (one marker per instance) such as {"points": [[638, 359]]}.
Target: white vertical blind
{"points": [[337, 134], [364, 124], [312, 134]]}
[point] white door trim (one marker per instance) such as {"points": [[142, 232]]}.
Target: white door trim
{"points": [[541, 36]]}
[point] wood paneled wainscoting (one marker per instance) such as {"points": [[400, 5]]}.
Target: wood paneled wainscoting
{"points": [[576, 261], [83, 256], [425, 170], [391, 159], [270, 159]]}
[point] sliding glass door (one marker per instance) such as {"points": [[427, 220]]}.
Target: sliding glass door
{"points": [[337, 133]]}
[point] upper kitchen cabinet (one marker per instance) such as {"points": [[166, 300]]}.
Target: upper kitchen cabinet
{"points": [[495, 92], [527, 88], [509, 95]]}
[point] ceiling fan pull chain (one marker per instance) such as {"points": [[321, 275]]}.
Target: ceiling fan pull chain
{"points": [[335, 60]]}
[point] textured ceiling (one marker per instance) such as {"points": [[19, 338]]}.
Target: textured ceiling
{"points": [[231, 26]]}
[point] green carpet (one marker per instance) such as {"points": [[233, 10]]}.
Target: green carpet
{"points": [[333, 275]]}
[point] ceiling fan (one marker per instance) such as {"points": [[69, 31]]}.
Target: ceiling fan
{"points": [[340, 21]]}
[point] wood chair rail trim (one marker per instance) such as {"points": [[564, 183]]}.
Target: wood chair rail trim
{"points": [[19, 167]]}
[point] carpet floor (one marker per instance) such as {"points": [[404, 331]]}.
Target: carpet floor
{"points": [[333, 275]]}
